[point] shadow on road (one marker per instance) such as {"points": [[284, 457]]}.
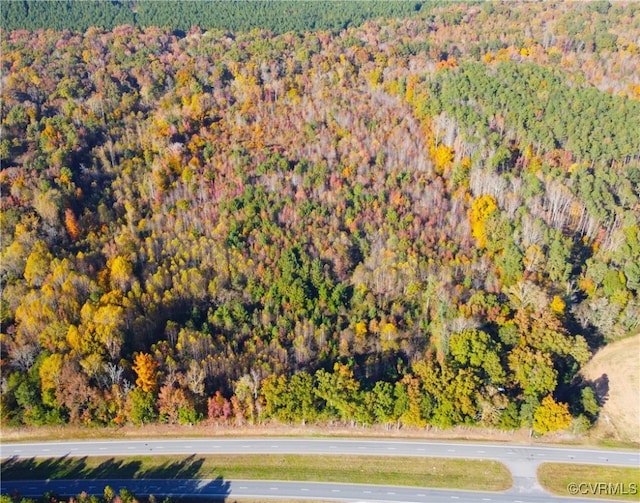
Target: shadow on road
{"points": [[68, 476]]}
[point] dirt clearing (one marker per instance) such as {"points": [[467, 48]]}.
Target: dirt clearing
{"points": [[615, 370]]}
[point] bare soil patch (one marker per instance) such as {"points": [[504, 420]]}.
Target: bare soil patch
{"points": [[615, 371]]}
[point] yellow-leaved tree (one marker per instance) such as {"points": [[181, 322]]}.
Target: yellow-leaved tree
{"points": [[481, 210], [121, 273], [442, 157], [49, 373], [37, 266], [551, 416]]}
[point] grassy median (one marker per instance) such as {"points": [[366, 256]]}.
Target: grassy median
{"points": [[477, 475], [591, 481]]}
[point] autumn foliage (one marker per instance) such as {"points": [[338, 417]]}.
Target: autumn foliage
{"points": [[146, 369], [411, 222]]}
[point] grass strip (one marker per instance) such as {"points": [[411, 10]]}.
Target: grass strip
{"points": [[591, 481], [477, 475]]}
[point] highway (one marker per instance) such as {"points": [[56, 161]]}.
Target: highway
{"points": [[505, 453], [522, 461], [283, 490]]}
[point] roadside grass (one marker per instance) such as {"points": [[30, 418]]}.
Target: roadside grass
{"points": [[591, 481], [477, 475], [245, 500], [607, 443], [204, 430]]}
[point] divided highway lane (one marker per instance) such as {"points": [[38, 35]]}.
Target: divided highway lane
{"points": [[506, 453], [522, 461], [276, 489]]}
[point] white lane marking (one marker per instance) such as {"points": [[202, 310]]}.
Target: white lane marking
{"points": [[421, 449], [366, 492], [304, 489], [243, 487], [102, 448], [391, 448], [480, 452], [486, 499], [390, 493], [451, 450], [454, 498], [335, 490], [273, 488]]}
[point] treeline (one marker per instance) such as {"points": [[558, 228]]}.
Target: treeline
{"points": [[392, 225], [109, 496], [278, 16]]}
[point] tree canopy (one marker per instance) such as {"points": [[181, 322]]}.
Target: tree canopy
{"points": [[411, 221]]}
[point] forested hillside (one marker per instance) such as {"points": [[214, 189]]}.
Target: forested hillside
{"points": [[422, 221]]}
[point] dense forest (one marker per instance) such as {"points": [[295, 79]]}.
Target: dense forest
{"points": [[277, 16], [417, 221]]}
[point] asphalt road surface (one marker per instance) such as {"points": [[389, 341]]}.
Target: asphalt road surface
{"points": [[211, 489], [521, 460]]}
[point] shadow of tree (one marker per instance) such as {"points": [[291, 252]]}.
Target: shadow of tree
{"points": [[187, 468], [67, 476], [601, 387], [64, 467]]}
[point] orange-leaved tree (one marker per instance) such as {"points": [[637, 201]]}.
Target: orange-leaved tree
{"points": [[146, 368]]}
